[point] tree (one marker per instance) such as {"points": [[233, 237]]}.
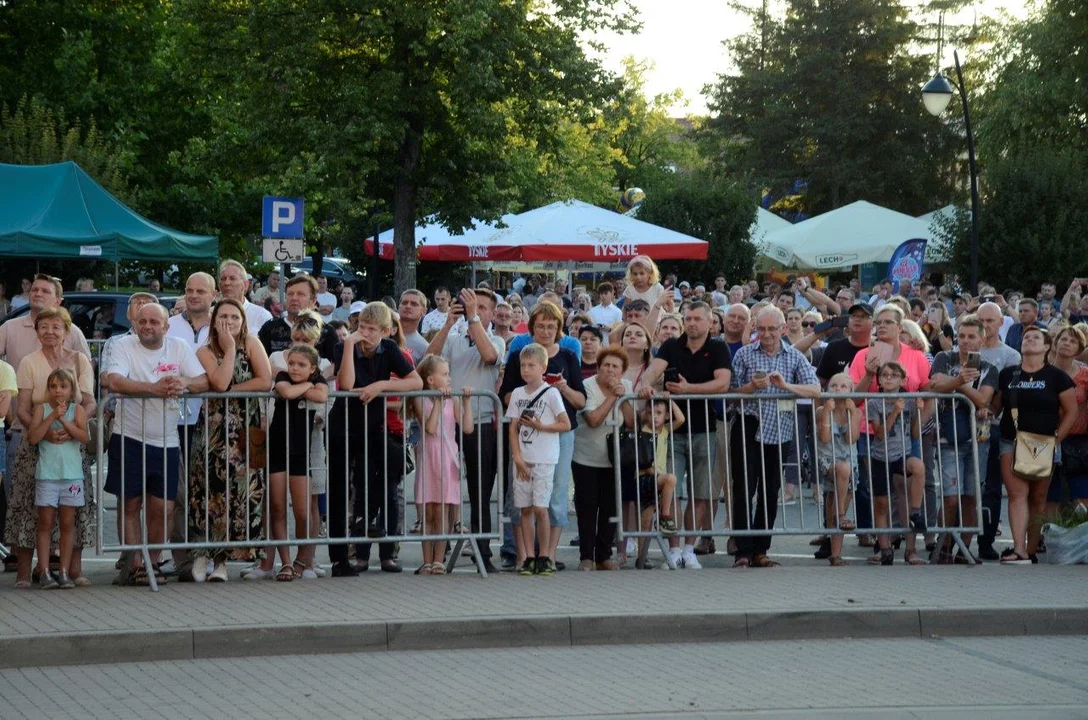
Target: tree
{"points": [[1037, 94], [711, 209], [1033, 225], [828, 94]]}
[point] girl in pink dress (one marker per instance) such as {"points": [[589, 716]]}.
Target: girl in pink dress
{"points": [[438, 473]]}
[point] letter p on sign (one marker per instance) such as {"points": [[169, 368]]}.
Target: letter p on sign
{"points": [[282, 217]]}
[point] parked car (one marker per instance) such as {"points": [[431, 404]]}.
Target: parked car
{"points": [[336, 270], [99, 315]]}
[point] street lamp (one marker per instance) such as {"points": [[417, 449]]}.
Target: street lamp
{"points": [[936, 94]]}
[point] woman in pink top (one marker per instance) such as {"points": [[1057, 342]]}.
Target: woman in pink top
{"points": [[863, 371]]}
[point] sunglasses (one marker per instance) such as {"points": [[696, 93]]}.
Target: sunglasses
{"points": [[306, 321], [808, 323]]}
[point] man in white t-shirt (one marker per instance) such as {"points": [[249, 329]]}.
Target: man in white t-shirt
{"points": [[234, 284], [326, 301], [605, 313], [435, 319], [143, 451]]}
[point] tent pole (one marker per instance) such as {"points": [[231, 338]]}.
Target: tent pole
{"points": [[116, 274], [473, 276]]}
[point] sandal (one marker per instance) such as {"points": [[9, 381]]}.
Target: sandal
{"points": [[137, 577], [762, 561], [459, 528], [741, 562], [910, 557], [836, 561], [286, 573], [82, 581], [1009, 557], [845, 524], [424, 569], [23, 584], [304, 571], [438, 569]]}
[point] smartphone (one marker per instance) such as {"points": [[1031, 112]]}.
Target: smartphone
{"points": [[882, 351], [672, 375], [841, 321], [759, 375], [989, 298], [974, 361], [822, 327], [552, 378]]}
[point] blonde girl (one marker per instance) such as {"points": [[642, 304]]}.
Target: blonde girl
{"points": [[643, 280], [838, 427], [59, 476], [438, 474]]}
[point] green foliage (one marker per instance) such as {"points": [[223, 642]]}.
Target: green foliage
{"points": [[1037, 95], [34, 134], [829, 94], [1033, 226], [706, 207]]}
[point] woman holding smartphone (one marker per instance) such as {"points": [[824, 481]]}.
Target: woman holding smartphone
{"points": [[938, 326], [564, 372]]}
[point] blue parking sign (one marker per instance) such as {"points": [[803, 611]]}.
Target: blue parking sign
{"points": [[281, 217]]}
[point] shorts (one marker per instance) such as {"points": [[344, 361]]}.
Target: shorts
{"points": [[59, 493], [825, 463], [293, 464], [1078, 486], [1007, 447], [916, 448], [958, 468], [647, 491], [882, 472], [162, 469], [537, 490], [694, 459]]}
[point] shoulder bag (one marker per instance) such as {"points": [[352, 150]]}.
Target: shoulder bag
{"points": [[1033, 453]]}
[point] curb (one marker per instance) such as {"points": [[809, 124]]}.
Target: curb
{"points": [[560, 630]]}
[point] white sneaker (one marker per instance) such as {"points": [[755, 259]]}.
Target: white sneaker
{"points": [[167, 567], [677, 559], [258, 574], [219, 574], [632, 546], [200, 570], [690, 561]]}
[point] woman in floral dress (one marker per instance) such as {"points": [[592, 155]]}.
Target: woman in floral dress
{"points": [[227, 493]]}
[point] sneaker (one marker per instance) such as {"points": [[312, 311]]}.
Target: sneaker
{"points": [[586, 566], [987, 552], [667, 526], [917, 522], [887, 557], [528, 568], [824, 551], [48, 580], [632, 546], [167, 567], [219, 574], [545, 566], [65, 582], [677, 558], [417, 528], [200, 570], [509, 563], [690, 562], [257, 573]]}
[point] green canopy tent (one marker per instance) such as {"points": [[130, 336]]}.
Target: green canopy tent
{"points": [[59, 211]]}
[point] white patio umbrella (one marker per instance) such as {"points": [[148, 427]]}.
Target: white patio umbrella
{"points": [[854, 234]]}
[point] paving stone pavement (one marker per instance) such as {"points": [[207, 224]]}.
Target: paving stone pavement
{"points": [[899, 679]]}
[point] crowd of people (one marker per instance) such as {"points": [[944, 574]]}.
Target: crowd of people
{"points": [[637, 363]]}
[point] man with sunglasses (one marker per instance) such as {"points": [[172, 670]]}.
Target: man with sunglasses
{"points": [[300, 294]]}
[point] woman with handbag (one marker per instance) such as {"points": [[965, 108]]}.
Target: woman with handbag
{"points": [[1069, 343], [594, 477], [226, 462], [1041, 409]]}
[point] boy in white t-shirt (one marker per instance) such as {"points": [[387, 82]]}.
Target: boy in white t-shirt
{"points": [[537, 417]]}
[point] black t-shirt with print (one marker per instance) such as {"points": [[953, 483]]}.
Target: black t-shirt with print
{"points": [[836, 359], [1036, 399]]}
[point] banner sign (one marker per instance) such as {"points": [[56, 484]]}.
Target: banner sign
{"points": [[907, 264]]}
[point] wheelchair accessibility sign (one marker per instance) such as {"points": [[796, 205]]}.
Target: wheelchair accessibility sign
{"points": [[283, 251]]}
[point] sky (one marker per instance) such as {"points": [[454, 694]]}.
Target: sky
{"points": [[683, 39]]}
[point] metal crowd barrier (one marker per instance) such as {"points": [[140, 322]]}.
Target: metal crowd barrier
{"points": [[357, 452], [748, 476]]}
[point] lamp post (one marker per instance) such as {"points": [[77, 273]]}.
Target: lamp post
{"points": [[936, 94]]}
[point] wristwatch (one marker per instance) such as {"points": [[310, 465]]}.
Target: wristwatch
{"points": [[474, 319]]}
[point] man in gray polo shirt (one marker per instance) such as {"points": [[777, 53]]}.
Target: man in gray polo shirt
{"points": [[475, 358]]}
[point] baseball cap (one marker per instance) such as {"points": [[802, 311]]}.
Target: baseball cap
{"points": [[864, 307], [685, 283], [357, 307]]}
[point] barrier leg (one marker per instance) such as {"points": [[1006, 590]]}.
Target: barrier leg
{"points": [[664, 546], [149, 566], [964, 551]]}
